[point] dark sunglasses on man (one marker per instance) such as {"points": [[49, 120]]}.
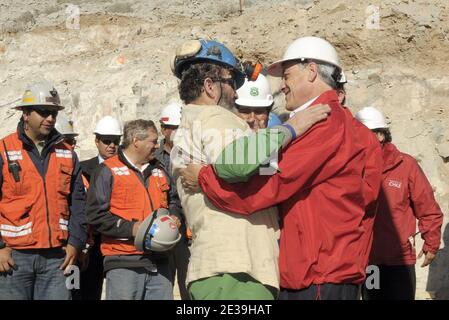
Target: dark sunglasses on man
{"points": [[45, 112], [230, 81], [70, 141], [107, 141]]}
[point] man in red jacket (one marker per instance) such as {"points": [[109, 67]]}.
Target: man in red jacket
{"points": [[322, 187], [406, 196]]}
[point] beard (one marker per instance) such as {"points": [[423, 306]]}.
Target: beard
{"points": [[226, 102]]}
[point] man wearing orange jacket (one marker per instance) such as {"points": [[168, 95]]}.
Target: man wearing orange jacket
{"points": [[42, 220], [322, 187], [125, 190], [406, 196]]}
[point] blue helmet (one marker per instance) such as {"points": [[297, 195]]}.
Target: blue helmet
{"points": [[273, 120], [195, 51]]}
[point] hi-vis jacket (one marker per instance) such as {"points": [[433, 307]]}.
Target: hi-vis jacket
{"points": [[406, 196], [119, 196], [45, 207]]}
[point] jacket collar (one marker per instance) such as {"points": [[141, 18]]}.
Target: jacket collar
{"points": [[326, 97], [391, 155], [53, 138]]}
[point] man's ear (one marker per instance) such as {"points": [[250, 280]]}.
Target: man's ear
{"points": [[313, 71], [208, 87], [25, 116], [135, 142]]}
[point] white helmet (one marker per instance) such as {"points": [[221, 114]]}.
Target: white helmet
{"points": [[306, 48], [171, 115], [64, 125], [40, 94], [255, 93], [108, 126], [372, 118], [158, 232]]}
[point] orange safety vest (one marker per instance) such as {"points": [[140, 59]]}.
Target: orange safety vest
{"points": [[131, 200], [34, 212]]}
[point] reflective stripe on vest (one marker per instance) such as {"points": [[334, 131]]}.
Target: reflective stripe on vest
{"points": [[131, 200], [34, 213]]}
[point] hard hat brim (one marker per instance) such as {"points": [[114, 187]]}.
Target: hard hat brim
{"points": [[139, 239], [48, 106], [167, 245], [253, 103], [276, 70]]}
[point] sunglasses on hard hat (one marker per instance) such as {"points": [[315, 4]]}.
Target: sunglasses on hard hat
{"points": [[107, 141], [44, 112]]}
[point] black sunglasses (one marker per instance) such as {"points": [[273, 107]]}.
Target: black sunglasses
{"points": [[230, 81], [44, 113], [109, 141], [71, 141]]}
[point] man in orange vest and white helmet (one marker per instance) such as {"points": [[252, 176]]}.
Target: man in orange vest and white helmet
{"points": [[125, 191], [42, 219]]}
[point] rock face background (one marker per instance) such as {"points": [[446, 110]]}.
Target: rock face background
{"points": [[112, 57]]}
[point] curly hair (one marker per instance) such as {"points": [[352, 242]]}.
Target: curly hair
{"points": [[193, 77]]}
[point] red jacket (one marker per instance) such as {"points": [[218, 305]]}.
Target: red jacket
{"points": [[406, 195], [322, 193]]}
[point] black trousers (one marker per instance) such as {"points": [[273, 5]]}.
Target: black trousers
{"points": [[91, 279], [326, 291], [396, 283], [179, 261]]}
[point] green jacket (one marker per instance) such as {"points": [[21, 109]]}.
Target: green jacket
{"points": [[243, 157]]}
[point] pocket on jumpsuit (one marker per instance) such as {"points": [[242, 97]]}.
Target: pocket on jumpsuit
{"points": [[16, 227]]}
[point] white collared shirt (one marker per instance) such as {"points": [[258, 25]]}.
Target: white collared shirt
{"points": [[135, 167], [100, 159], [303, 107]]}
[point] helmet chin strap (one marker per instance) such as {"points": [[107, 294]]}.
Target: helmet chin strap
{"points": [[221, 95]]}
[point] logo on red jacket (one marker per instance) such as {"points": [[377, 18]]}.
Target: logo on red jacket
{"points": [[394, 183]]}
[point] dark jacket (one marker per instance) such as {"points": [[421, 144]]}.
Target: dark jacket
{"points": [[77, 224], [89, 166], [163, 158]]}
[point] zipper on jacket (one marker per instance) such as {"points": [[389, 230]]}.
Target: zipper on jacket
{"points": [[148, 193], [48, 214]]}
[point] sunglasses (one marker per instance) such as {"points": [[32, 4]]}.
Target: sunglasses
{"points": [[71, 141], [230, 81], [109, 141], [45, 113]]}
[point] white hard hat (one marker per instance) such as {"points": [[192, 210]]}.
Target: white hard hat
{"points": [[41, 93], [171, 115], [255, 93], [158, 232], [372, 118], [108, 126], [64, 125], [306, 48]]}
